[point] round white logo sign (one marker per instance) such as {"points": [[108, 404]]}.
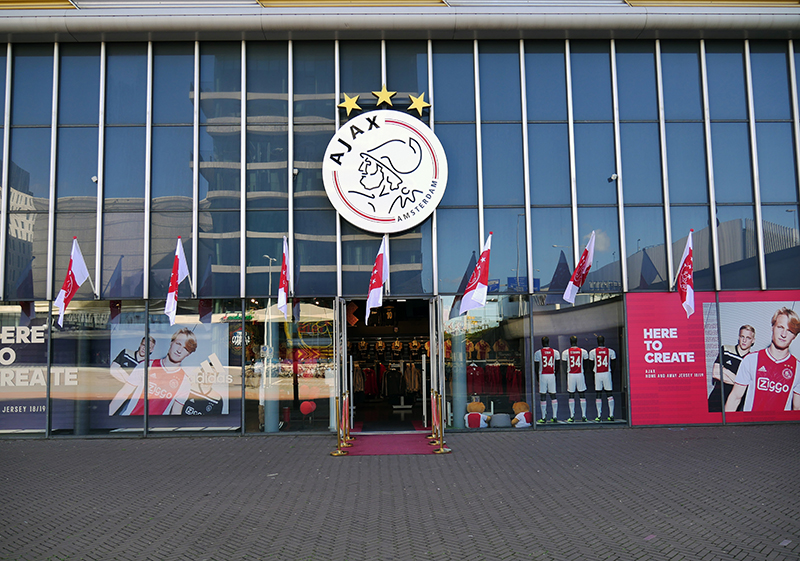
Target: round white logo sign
{"points": [[384, 171]]}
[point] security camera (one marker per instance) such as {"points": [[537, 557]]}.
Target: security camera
{"points": [[295, 171], [613, 177], [94, 179]]}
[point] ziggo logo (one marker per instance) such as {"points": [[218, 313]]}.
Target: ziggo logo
{"points": [[770, 386]]}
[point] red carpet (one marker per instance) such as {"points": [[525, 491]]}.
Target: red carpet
{"points": [[358, 426], [389, 445]]}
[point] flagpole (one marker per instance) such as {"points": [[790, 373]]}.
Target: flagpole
{"points": [[386, 257]]}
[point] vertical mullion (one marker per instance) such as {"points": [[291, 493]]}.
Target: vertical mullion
{"points": [[290, 161], [337, 123], [243, 179], [434, 229], [526, 165], [795, 116], [478, 139], [662, 133], [4, 187], [573, 182], [623, 252], [148, 159], [195, 168], [51, 217], [101, 142], [712, 201], [751, 117]]}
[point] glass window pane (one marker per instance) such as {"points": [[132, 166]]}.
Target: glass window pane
{"points": [[645, 244], [776, 165], [546, 80], [173, 83], [685, 218], [509, 258], [680, 75], [781, 242], [636, 80], [499, 64], [770, 70], [220, 75], [32, 85], [124, 167], [686, 163], [29, 169], [548, 146], [358, 256], [457, 238], [551, 242], [172, 168], [68, 226], [595, 163], [267, 82], [606, 272], [360, 67], [411, 260], [459, 143], [126, 83], [591, 80], [733, 178], [123, 255], [79, 87], [315, 252], [310, 143], [454, 81], [407, 69], [267, 166], [314, 87], [220, 165], [738, 253], [26, 256], [165, 227], [726, 84], [265, 231], [218, 254], [77, 165], [503, 183], [641, 163]]}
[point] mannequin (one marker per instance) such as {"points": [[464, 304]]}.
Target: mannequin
{"points": [[544, 362]]}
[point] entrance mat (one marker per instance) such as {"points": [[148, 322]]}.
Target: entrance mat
{"points": [[389, 445], [358, 426]]}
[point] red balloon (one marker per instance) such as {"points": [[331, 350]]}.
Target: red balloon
{"points": [[313, 406], [307, 407]]}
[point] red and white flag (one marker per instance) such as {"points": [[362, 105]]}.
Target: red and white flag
{"points": [[380, 274], [180, 271], [478, 285], [685, 280], [77, 273], [283, 284], [580, 272]]}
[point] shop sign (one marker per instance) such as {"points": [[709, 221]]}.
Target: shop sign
{"points": [[385, 171]]}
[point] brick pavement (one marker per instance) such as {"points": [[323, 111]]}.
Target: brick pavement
{"points": [[722, 493]]}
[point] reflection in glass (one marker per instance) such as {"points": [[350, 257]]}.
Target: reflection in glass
{"points": [[407, 69], [595, 163], [548, 147], [685, 218], [551, 244], [82, 226], [360, 69], [591, 80], [358, 256], [314, 97], [411, 260], [503, 183], [79, 84], [123, 168], [29, 169], [458, 141], [499, 64], [606, 273], [733, 179], [218, 254], [267, 82], [220, 164], [781, 242], [173, 83], [770, 70], [315, 252], [123, 255], [126, 83], [309, 148], [726, 86], [776, 165], [172, 168], [220, 82], [636, 80], [267, 163], [546, 80], [265, 231], [680, 74], [738, 248], [509, 257], [26, 256], [641, 163], [686, 163], [453, 75], [457, 238], [76, 186], [645, 245], [32, 84], [165, 227], [3, 62]]}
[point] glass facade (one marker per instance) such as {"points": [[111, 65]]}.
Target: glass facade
{"points": [[129, 147]]}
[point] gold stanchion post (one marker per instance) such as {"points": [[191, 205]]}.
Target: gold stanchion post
{"points": [[442, 449], [338, 451]]}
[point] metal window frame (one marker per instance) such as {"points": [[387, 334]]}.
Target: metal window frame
{"points": [[623, 251], [526, 164], [434, 224], [243, 180], [148, 170], [712, 201], [195, 169], [795, 116], [51, 216], [573, 177], [101, 142], [662, 132], [5, 190], [478, 141], [337, 87]]}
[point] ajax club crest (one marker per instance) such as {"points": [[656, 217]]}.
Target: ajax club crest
{"points": [[384, 171]]}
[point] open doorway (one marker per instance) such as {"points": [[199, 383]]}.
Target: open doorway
{"points": [[390, 365]]}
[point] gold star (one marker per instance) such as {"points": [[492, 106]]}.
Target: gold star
{"points": [[349, 103], [384, 96], [418, 103]]}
